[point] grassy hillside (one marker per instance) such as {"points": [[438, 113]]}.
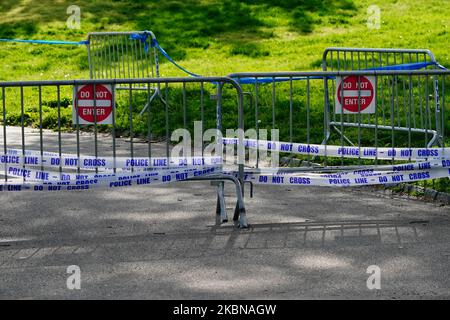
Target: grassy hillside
{"points": [[249, 35]]}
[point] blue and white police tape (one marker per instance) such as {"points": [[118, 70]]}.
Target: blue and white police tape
{"points": [[412, 166], [345, 179], [34, 158], [36, 180], [343, 151]]}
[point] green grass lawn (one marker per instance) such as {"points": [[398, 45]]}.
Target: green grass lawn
{"points": [[218, 37], [212, 38]]}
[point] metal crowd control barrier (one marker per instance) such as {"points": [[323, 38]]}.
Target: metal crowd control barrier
{"points": [[124, 55], [48, 103], [346, 59], [119, 55], [293, 103]]}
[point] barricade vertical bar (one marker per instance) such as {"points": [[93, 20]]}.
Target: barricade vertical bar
{"points": [[5, 149], [104, 69], [257, 119], [392, 113], [290, 110], [149, 121], [427, 109], [338, 61], [273, 102], [132, 51], [202, 113], [410, 103], [151, 64], [131, 124], [359, 116], [345, 60], [127, 55], [443, 112], [108, 71], [147, 58], [404, 93], [91, 65], [77, 124], [437, 110], [167, 118], [41, 140], [413, 107], [184, 107], [382, 94], [342, 118], [376, 118], [95, 58], [140, 73], [95, 126], [240, 216], [308, 125], [117, 55], [396, 96], [421, 102], [113, 129], [111, 60], [102, 73], [58, 97], [22, 123], [137, 45], [327, 96], [221, 208], [427, 116], [141, 61], [124, 70], [98, 60], [155, 52], [326, 111]]}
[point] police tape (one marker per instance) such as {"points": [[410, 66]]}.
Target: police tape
{"points": [[344, 151], [35, 158], [36, 180], [345, 179], [112, 172], [411, 166]]}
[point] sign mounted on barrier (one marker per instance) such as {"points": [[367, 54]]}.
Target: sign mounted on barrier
{"points": [[355, 94], [90, 110]]}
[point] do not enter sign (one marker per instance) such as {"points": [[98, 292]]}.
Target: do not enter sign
{"points": [[93, 108], [355, 94]]}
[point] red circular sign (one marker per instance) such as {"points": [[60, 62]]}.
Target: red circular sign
{"points": [[348, 90], [103, 103]]}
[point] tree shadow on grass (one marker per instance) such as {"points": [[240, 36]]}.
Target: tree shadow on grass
{"points": [[178, 24]]}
